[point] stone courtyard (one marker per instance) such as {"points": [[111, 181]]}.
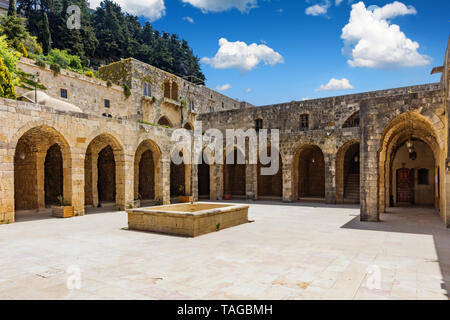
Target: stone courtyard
{"points": [[290, 251]]}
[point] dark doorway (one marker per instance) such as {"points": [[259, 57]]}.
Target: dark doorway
{"points": [[405, 186], [147, 176], [235, 178], [106, 175], [53, 176], [203, 181]]}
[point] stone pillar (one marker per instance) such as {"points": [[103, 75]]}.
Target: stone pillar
{"points": [[369, 166], [40, 175], [77, 182], [218, 181], [330, 178], [125, 182], [6, 186], [194, 181], [251, 178], [446, 199], [94, 179], [288, 180], [166, 182]]}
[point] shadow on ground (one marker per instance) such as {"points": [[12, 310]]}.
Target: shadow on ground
{"points": [[425, 221]]}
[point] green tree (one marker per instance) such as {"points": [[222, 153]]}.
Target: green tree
{"points": [[7, 89], [46, 42], [12, 8]]}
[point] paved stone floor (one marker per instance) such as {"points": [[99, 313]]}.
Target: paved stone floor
{"points": [[290, 252]]}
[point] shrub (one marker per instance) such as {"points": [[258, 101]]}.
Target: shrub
{"points": [[40, 62], [56, 68], [126, 91], [30, 43], [22, 50], [7, 89], [10, 57], [109, 84], [89, 74]]}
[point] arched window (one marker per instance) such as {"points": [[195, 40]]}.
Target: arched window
{"points": [[147, 89], [352, 122], [166, 89], [174, 91], [164, 122], [304, 122]]}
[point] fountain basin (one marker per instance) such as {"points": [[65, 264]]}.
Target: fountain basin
{"points": [[188, 220]]}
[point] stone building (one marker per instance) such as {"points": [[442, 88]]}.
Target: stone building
{"points": [[95, 142]]}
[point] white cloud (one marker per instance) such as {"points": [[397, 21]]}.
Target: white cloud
{"points": [[151, 9], [189, 19], [225, 87], [248, 90], [317, 9], [336, 84], [223, 5], [373, 42], [338, 2], [241, 56]]}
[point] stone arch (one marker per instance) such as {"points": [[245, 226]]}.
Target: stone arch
{"points": [[164, 121], [148, 179], [309, 172], [104, 167], [343, 157], [37, 150], [166, 89], [409, 125], [352, 121], [188, 126], [270, 186]]}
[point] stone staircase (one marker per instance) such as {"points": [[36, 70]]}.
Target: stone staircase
{"points": [[351, 192]]}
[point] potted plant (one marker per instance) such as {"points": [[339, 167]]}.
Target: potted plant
{"points": [[227, 196], [62, 210], [137, 202]]}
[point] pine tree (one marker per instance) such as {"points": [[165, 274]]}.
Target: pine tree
{"points": [[7, 89], [12, 8], [46, 41]]}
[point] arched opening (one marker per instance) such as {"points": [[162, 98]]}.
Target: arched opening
{"points": [[204, 178], [42, 170], [309, 173], [175, 91], [106, 183], [53, 176], [178, 181], [270, 186], [188, 126], [352, 121], [409, 168], [104, 174], [163, 121], [235, 176], [166, 86], [348, 173], [147, 173]]}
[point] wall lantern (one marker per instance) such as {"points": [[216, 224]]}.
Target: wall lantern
{"points": [[22, 156], [356, 159]]}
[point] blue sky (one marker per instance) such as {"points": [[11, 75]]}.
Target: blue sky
{"points": [[302, 46]]}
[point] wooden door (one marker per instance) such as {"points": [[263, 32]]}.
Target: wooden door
{"points": [[404, 186]]}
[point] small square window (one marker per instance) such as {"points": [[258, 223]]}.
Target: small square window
{"points": [[64, 93], [304, 122], [107, 103], [423, 177]]}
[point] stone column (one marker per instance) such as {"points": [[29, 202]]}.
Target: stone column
{"points": [[330, 178], [194, 181], [446, 199], [6, 186], [125, 182], [219, 182], [251, 179], [40, 175], [166, 181], [288, 180], [369, 166], [94, 179], [77, 182]]}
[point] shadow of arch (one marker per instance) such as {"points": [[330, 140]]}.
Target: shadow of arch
{"points": [[164, 121], [234, 175], [270, 186]]}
